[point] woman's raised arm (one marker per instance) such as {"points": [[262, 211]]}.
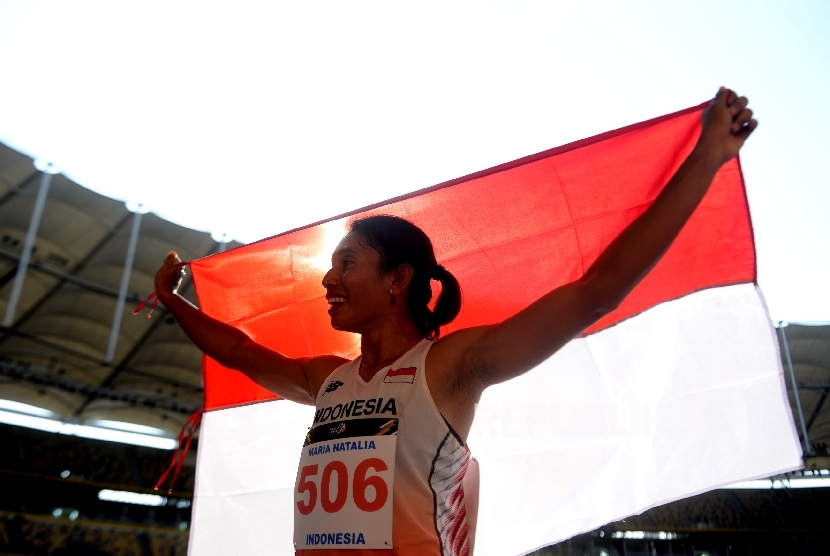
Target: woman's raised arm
{"points": [[294, 379], [497, 353]]}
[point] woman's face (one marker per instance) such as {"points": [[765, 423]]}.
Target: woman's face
{"points": [[357, 292]]}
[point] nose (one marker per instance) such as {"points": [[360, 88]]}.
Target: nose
{"points": [[328, 278]]}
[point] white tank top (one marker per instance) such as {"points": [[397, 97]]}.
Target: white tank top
{"points": [[428, 512]]}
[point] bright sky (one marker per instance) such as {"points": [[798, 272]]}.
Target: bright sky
{"points": [[255, 118]]}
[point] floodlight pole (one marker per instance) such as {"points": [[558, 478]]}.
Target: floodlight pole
{"points": [[795, 388], [23, 264], [125, 282], [223, 244]]}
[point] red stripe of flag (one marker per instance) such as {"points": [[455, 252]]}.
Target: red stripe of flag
{"points": [[509, 234], [408, 371]]}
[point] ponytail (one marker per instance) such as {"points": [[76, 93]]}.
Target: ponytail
{"points": [[448, 304], [399, 241]]}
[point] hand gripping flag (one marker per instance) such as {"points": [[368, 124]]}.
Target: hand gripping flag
{"points": [[678, 391]]}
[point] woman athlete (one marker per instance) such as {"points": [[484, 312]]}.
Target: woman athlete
{"points": [[379, 287]]}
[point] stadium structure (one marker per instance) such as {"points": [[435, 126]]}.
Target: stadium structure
{"points": [[92, 398]]}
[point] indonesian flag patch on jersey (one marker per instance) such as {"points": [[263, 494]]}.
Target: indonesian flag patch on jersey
{"points": [[678, 391], [406, 375]]}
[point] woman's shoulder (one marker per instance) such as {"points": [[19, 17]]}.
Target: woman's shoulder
{"points": [[459, 341], [319, 369], [452, 352]]}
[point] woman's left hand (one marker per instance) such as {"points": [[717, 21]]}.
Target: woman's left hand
{"points": [[727, 122]]}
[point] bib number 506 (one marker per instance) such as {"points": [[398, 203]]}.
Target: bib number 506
{"points": [[360, 483]]}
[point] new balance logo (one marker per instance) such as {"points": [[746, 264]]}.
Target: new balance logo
{"points": [[333, 385]]}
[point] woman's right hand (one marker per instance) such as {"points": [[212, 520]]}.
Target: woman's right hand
{"points": [[169, 276], [293, 379]]}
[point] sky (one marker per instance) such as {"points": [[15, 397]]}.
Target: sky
{"points": [[251, 119]]}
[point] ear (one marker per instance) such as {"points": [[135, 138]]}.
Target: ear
{"points": [[400, 278]]}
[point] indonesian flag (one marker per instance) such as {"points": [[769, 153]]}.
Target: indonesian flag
{"points": [[678, 391]]}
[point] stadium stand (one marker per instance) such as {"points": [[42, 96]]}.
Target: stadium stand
{"points": [[733, 522], [95, 461], [54, 357], [34, 489], [34, 535]]}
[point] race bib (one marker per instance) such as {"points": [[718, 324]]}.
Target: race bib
{"points": [[343, 492]]}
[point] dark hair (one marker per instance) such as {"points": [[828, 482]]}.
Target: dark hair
{"points": [[399, 241]]}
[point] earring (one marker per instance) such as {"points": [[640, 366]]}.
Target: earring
{"points": [[393, 297]]}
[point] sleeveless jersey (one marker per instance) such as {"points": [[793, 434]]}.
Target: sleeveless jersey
{"points": [[427, 506]]}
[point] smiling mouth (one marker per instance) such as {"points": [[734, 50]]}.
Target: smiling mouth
{"points": [[335, 302]]}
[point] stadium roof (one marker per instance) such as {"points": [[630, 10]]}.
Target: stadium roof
{"points": [[809, 348], [54, 354]]}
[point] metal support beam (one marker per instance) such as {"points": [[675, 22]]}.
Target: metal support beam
{"points": [[43, 377], [34, 222], [795, 388], [183, 289], [75, 359], [7, 277], [125, 282], [67, 277], [11, 193], [820, 424], [804, 386], [818, 407]]}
